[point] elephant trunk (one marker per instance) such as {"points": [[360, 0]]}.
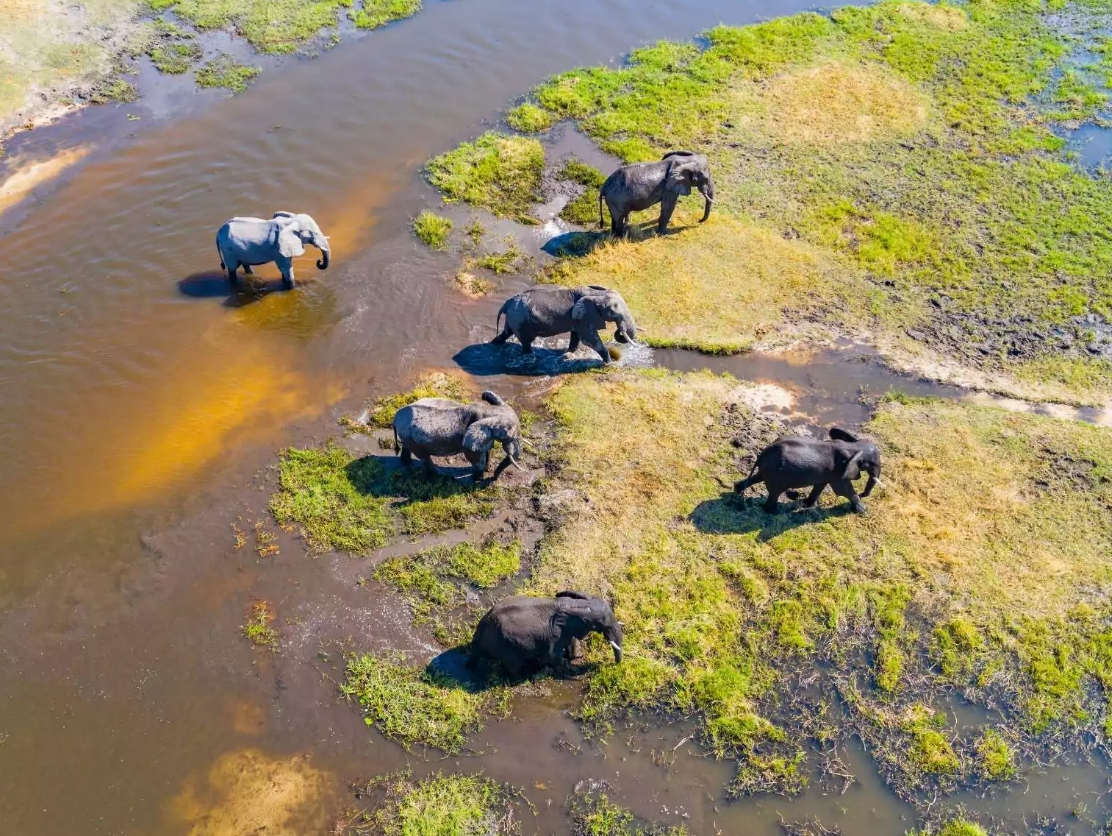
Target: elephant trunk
{"points": [[614, 636], [627, 330], [874, 480], [707, 191], [321, 244]]}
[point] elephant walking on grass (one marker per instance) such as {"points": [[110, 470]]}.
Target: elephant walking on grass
{"points": [[249, 242], [526, 634], [582, 311], [635, 187], [440, 427], [793, 462]]}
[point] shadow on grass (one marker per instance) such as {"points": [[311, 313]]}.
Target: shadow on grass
{"points": [[212, 284], [385, 477], [450, 670], [734, 514]]}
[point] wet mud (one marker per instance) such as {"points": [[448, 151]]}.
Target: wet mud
{"points": [[143, 401]]}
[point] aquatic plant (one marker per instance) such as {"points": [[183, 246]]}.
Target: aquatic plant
{"points": [[259, 630], [224, 71], [375, 13], [495, 172], [529, 119], [433, 229]]}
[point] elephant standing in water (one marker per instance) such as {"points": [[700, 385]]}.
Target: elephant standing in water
{"points": [[794, 462], [638, 186], [583, 311], [525, 634], [440, 427], [249, 242]]}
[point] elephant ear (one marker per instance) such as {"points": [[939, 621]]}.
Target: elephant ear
{"points": [[579, 596], [586, 311], [480, 436], [289, 242], [493, 399], [283, 215], [678, 177], [838, 434], [853, 466]]}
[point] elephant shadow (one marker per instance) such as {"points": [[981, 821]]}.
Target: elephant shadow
{"points": [[575, 244], [487, 359], [450, 670], [385, 477], [734, 514], [214, 284]]}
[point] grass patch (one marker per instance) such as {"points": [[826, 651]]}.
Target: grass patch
{"points": [[469, 284], [582, 210], [259, 628], [435, 385], [433, 229], [114, 90], [224, 71], [376, 13], [415, 707], [496, 172], [276, 27], [434, 583], [176, 58], [439, 805], [953, 827], [594, 814], [503, 262], [529, 119]]}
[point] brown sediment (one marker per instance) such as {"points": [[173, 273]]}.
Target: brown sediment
{"points": [[29, 176]]}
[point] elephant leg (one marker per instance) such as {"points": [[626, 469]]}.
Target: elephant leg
{"points": [[813, 497], [501, 338], [406, 457], [430, 468], [594, 341], [667, 207], [574, 650], [285, 267], [844, 487], [247, 270], [231, 267], [747, 483], [526, 345], [772, 504], [573, 342]]}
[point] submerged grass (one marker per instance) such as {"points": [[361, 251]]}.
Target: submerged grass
{"points": [[375, 13], [276, 27], [439, 805], [224, 71], [594, 814], [433, 229], [259, 630]]}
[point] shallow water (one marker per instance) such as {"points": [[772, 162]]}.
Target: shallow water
{"points": [[139, 399]]}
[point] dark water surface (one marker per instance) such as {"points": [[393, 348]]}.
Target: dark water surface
{"points": [[138, 401]]}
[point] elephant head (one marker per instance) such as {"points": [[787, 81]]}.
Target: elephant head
{"points": [[294, 231], [578, 614], [687, 170], [600, 306], [502, 426], [864, 455]]}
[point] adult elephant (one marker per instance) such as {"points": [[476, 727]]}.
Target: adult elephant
{"points": [[583, 311], [249, 242], [638, 186], [440, 427], [793, 462], [526, 634]]}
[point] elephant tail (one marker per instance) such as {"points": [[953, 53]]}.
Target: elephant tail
{"points": [[742, 487], [601, 222], [498, 318], [397, 447], [220, 255]]}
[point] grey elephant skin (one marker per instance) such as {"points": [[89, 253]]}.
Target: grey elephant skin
{"points": [[440, 427], [633, 188], [793, 462], [526, 634], [249, 242], [580, 311]]}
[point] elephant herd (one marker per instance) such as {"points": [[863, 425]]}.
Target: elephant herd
{"points": [[526, 633]]}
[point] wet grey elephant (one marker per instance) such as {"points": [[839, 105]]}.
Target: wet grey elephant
{"points": [[638, 186], [526, 634], [793, 462], [583, 311], [249, 242], [440, 427]]}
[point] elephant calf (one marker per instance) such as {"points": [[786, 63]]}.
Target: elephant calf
{"points": [[439, 427], [249, 242], [582, 311], [793, 462], [635, 187], [526, 634]]}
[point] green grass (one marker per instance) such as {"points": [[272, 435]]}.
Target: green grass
{"points": [[176, 58], [258, 629], [435, 385], [276, 27], [440, 805], [376, 13], [997, 761], [114, 90], [415, 707], [594, 814], [224, 71], [433, 229], [895, 149], [529, 119], [583, 210], [495, 172], [953, 827], [502, 262], [434, 583]]}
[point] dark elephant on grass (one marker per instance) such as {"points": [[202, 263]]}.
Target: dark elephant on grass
{"points": [[526, 634], [580, 311], [793, 462], [635, 187], [440, 427]]}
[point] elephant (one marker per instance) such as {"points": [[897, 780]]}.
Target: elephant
{"points": [[440, 427], [583, 311], [796, 462], [638, 186], [248, 242], [525, 633]]}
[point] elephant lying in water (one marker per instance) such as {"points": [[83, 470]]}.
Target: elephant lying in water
{"points": [[582, 311], [249, 242], [794, 462], [440, 427], [635, 187], [526, 634]]}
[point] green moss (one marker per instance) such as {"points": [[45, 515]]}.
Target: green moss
{"points": [[929, 751], [955, 647], [412, 706], [376, 13], [437, 385], [953, 827], [433, 229], [995, 756], [529, 119], [439, 805], [495, 172], [224, 71], [276, 27], [176, 58], [769, 774]]}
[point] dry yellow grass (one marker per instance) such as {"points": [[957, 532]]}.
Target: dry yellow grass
{"points": [[951, 18], [718, 286], [838, 102]]}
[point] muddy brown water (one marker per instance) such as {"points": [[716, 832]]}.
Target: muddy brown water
{"points": [[140, 403]]}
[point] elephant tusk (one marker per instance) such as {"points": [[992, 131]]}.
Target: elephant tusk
{"points": [[513, 461], [616, 646], [527, 444], [877, 483]]}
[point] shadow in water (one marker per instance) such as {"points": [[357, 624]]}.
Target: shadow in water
{"points": [[214, 284], [574, 244], [450, 669], [734, 514], [487, 359]]}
